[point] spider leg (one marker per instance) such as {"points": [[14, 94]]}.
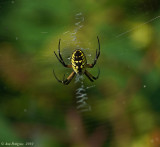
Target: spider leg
{"points": [[56, 77], [65, 81], [97, 55], [69, 79], [60, 59], [59, 50], [90, 76]]}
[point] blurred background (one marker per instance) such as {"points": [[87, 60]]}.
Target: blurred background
{"points": [[124, 101]]}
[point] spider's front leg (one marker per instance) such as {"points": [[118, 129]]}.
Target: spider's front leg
{"points": [[97, 55], [65, 81], [90, 76], [60, 59]]}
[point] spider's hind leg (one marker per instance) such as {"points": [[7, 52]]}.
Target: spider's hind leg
{"points": [[96, 57], [59, 57]]}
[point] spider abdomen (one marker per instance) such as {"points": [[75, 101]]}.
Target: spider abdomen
{"points": [[78, 61]]}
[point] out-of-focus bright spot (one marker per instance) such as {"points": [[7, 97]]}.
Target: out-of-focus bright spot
{"points": [[144, 120], [25, 110], [142, 142], [155, 138], [142, 36], [44, 32]]}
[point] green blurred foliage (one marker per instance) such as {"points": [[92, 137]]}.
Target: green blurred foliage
{"points": [[125, 99]]}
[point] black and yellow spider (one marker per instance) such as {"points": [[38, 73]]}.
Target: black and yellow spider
{"points": [[78, 64]]}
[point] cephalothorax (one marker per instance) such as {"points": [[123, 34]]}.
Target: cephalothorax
{"points": [[78, 64]]}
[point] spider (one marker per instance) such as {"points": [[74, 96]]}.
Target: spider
{"points": [[78, 64]]}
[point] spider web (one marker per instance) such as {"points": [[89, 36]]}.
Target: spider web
{"points": [[80, 92]]}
